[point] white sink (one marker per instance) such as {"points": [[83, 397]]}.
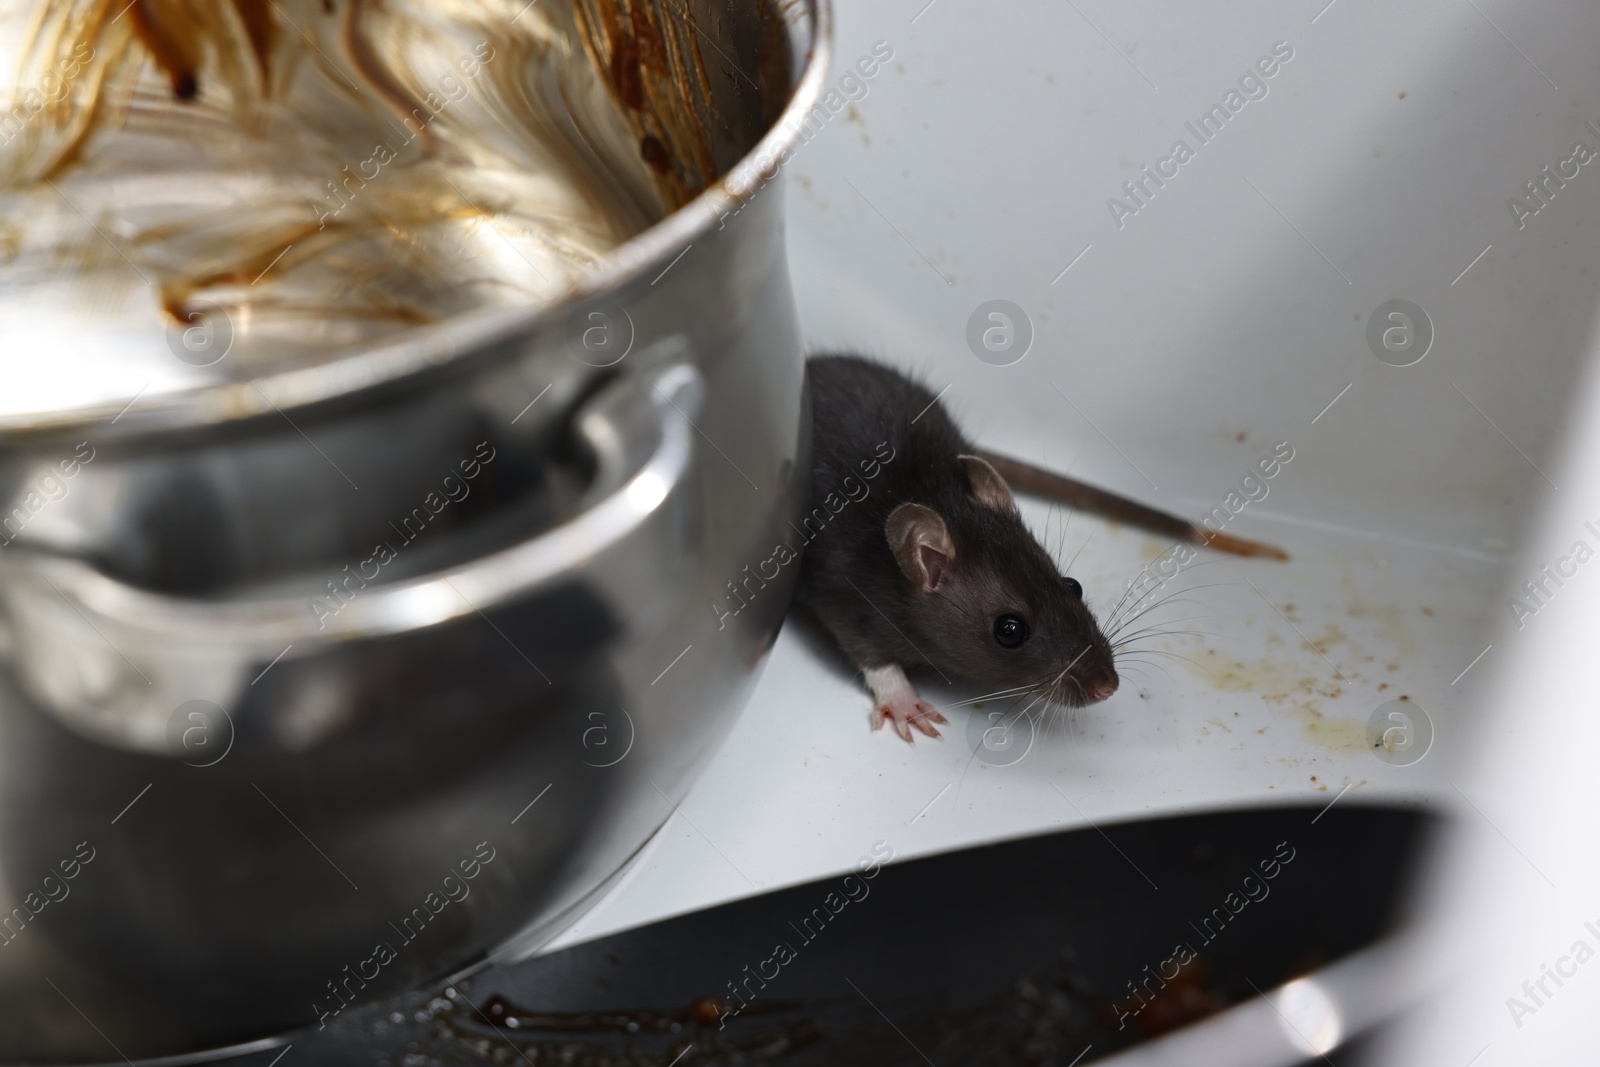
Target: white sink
{"points": [[1172, 347]]}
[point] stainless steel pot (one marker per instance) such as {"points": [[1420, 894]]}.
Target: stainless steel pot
{"points": [[253, 767]]}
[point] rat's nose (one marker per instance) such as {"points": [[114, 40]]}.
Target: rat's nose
{"points": [[1102, 689]]}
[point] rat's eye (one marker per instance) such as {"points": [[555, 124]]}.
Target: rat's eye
{"points": [[1073, 587], [1010, 631]]}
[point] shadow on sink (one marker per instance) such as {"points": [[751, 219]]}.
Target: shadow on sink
{"points": [[1057, 949]]}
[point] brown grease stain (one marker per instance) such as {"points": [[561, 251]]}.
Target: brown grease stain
{"points": [[404, 104], [627, 75], [1299, 690], [1345, 737], [174, 32], [260, 28], [1296, 693], [650, 47], [1190, 995], [1330, 637], [655, 154], [160, 25], [775, 64], [657, 73]]}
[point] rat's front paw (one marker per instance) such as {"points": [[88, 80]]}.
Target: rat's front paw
{"points": [[896, 699], [918, 714]]}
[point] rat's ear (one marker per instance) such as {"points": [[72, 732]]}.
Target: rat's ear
{"points": [[988, 487], [921, 545]]}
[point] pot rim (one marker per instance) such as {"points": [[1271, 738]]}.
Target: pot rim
{"points": [[415, 351]]}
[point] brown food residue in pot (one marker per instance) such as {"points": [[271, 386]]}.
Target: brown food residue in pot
{"points": [[326, 174]]}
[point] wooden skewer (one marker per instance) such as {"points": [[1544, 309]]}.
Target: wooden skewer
{"points": [[1027, 478]]}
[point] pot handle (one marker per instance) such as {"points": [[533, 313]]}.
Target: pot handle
{"points": [[90, 646]]}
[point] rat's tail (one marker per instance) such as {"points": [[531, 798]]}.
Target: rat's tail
{"points": [[1026, 478]]}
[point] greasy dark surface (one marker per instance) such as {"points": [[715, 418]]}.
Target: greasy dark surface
{"points": [[870, 418], [1016, 953]]}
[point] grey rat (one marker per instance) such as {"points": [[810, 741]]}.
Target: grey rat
{"points": [[917, 556]]}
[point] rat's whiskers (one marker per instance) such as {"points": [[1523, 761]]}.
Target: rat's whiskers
{"points": [[1169, 598], [997, 695], [1156, 631]]}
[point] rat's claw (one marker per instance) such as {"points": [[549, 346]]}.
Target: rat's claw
{"points": [[884, 713], [924, 717]]}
